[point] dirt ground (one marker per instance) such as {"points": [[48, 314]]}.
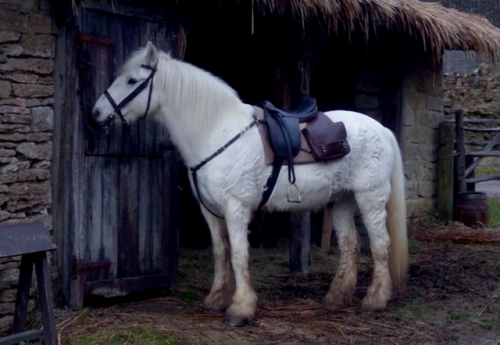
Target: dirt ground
{"points": [[452, 297]]}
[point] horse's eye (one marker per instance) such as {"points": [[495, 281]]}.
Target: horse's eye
{"points": [[131, 81]]}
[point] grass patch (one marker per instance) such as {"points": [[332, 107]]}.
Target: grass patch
{"points": [[487, 170], [494, 206], [189, 295], [136, 336], [461, 316]]}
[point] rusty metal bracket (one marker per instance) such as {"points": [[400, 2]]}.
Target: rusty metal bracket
{"points": [[93, 39], [79, 267]]}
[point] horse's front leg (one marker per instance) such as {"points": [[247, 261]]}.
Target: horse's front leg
{"points": [[220, 294], [242, 308]]}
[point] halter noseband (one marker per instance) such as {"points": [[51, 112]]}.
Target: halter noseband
{"points": [[132, 95]]}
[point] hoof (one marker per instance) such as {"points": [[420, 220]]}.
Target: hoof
{"points": [[371, 304], [337, 299], [236, 321]]}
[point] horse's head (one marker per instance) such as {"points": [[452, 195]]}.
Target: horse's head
{"points": [[131, 95]]}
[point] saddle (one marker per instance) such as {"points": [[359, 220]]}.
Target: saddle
{"points": [[299, 136]]}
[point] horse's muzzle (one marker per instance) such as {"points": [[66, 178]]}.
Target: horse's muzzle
{"points": [[99, 127]]}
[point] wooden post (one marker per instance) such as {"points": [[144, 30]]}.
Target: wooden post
{"points": [[326, 235], [445, 171], [460, 149], [300, 239]]}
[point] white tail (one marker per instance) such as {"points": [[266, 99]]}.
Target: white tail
{"points": [[396, 220]]}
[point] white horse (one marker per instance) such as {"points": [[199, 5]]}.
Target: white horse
{"points": [[202, 113]]}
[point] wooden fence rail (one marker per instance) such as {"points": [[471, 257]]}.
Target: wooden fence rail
{"points": [[454, 174]]}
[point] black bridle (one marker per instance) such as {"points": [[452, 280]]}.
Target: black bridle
{"points": [[132, 95]]}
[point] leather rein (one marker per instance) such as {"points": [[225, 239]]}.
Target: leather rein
{"points": [[132, 95]]}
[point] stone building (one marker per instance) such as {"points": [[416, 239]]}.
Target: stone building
{"points": [[27, 48], [381, 57]]}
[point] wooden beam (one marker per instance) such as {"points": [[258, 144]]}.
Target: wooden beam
{"points": [[495, 141], [326, 235], [494, 129], [483, 178], [477, 143], [481, 121], [20, 338], [300, 239], [445, 171], [484, 154]]}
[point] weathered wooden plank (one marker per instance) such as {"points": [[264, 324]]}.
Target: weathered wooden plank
{"points": [[109, 244], [65, 103], [495, 141], [94, 214], [484, 154], [18, 338], [115, 138], [477, 143], [171, 229], [169, 223], [146, 207], [460, 149], [17, 239], [134, 11], [160, 214], [128, 221], [445, 171], [480, 121], [94, 65], [483, 178], [482, 130], [131, 42]]}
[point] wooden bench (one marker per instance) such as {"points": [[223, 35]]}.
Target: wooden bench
{"points": [[32, 242]]}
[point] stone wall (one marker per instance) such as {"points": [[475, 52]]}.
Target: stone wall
{"points": [[477, 93], [421, 114], [27, 43]]}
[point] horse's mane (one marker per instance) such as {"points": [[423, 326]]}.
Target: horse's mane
{"points": [[197, 92]]}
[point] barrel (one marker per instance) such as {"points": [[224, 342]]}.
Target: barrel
{"points": [[471, 208]]}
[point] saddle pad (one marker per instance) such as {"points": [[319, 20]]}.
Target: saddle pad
{"points": [[303, 157]]}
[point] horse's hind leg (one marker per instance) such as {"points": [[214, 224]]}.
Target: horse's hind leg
{"points": [[372, 205], [219, 297], [344, 283]]}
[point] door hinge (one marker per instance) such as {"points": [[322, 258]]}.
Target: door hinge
{"points": [[79, 267]]}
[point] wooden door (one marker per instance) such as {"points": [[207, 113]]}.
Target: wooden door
{"points": [[127, 241]]}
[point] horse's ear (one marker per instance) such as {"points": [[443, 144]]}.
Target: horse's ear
{"points": [[151, 55]]}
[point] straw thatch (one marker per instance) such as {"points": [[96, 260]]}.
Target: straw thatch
{"points": [[434, 26]]}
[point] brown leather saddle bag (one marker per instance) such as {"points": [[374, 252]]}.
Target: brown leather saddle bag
{"points": [[326, 139]]}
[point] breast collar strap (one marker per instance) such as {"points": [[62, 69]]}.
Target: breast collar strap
{"points": [[195, 169]]}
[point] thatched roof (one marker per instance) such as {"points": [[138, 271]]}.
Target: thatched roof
{"points": [[434, 25]]}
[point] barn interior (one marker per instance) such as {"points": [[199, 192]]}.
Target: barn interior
{"points": [[268, 56]]}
